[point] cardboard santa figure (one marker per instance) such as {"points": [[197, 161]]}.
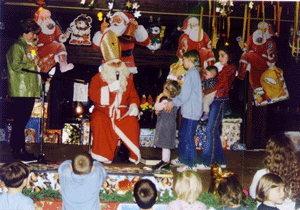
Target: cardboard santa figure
{"points": [[50, 42], [260, 56], [116, 105], [192, 40], [129, 33]]}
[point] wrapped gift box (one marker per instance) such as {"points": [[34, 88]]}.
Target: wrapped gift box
{"points": [[30, 135], [231, 130], [53, 136], [37, 109], [2, 134], [85, 131], [147, 137], [34, 123], [200, 135], [71, 134]]}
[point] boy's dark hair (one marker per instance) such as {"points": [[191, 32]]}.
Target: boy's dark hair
{"points": [[82, 163], [173, 87], [145, 193], [13, 174], [212, 69], [194, 56], [29, 25], [231, 191], [265, 184]]}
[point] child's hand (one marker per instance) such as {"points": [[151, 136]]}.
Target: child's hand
{"points": [[156, 112]]}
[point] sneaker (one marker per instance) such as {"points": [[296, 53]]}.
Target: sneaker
{"points": [[202, 167], [160, 165], [204, 117], [176, 162], [186, 168]]}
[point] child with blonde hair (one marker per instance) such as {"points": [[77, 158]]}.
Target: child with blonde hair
{"points": [[188, 188], [270, 192], [15, 177], [231, 194], [165, 131]]}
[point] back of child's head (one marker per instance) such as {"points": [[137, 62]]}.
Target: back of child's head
{"points": [[265, 184], [82, 163], [173, 87], [13, 174], [193, 56], [145, 193], [188, 186], [213, 70], [231, 191]]}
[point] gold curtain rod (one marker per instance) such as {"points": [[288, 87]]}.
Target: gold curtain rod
{"points": [[119, 10]]}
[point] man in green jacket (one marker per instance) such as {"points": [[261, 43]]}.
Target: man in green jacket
{"points": [[23, 86]]}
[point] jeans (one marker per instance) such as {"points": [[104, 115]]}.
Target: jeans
{"points": [[213, 149], [186, 147]]}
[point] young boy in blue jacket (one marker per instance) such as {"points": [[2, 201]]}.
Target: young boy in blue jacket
{"points": [[190, 101], [81, 180]]}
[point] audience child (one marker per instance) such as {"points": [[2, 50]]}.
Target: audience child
{"points": [[15, 177], [190, 101], [270, 191], [145, 194], [231, 194], [188, 188], [165, 131], [81, 180], [280, 159], [208, 82]]}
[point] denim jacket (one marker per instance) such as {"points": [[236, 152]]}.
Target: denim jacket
{"points": [[190, 97]]}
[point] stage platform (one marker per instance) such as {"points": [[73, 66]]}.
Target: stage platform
{"points": [[243, 163]]}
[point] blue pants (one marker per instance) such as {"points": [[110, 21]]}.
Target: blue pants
{"points": [[213, 150], [186, 147]]}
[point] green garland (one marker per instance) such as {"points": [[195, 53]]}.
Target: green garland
{"points": [[209, 199]]}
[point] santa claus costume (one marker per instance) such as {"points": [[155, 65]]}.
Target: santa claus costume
{"points": [[190, 41], [112, 117], [128, 37], [261, 55], [50, 42]]}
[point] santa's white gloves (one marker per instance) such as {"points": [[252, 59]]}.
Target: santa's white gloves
{"points": [[114, 86], [133, 110]]}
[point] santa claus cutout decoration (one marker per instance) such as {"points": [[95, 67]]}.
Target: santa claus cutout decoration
{"points": [[50, 43], [259, 59], [81, 30]]}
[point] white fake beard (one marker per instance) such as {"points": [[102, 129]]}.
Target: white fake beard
{"points": [[118, 29], [194, 33], [44, 27], [257, 34], [108, 74]]}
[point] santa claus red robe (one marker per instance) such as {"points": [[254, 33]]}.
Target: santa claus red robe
{"points": [[203, 47], [257, 60], [106, 128]]}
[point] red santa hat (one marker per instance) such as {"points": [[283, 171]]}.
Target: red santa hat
{"points": [[41, 14], [186, 23], [125, 16]]}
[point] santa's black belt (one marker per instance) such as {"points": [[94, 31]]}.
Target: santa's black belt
{"points": [[126, 53]]}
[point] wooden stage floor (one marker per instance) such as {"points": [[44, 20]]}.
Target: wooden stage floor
{"points": [[243, 163]]}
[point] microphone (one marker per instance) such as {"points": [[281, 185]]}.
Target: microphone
{"points": [[117, 75]]}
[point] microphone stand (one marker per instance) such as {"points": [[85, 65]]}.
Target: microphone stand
{"points": [[44, 76]]}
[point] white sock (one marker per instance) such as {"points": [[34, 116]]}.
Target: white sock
{"points": [[166, 155]]}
